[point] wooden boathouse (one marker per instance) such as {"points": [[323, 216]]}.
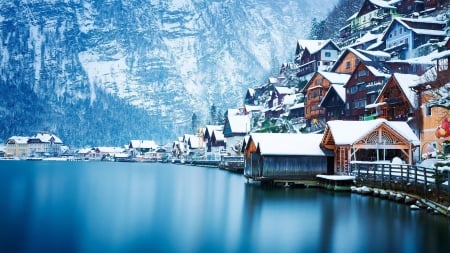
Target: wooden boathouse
{"points": [[374, 140], [283, 157]]}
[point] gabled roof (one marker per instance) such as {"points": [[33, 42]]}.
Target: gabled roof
{"points": [[410, 23], [332, 77], [313, 46], [285, 144], [238, 123], [47, 138], [340, 91], [284, 90], [349, 132], [342, 56], [18, 140], [379, 69], [143, 144], [335, 78]]}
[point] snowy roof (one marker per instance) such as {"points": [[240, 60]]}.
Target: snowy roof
{"points": [[348, 132], [233, 111], [195, 141], [143, 144], [378, 69], [18, 139], [273, 80], [440, 55], [384, 4], [47, 137], [289, 144], [403, 22], [313, 46], [297, 106], [239, 123], [251, 91], [340, 90], [336, 78], [218, 135], [110, 150], [377, 54], [285, 90], [253, 108]]}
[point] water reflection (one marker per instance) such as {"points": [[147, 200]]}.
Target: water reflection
{"points": [[131, 207]]}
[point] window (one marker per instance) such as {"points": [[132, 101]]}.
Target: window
{"points": [[362, 73], [348, 64], [427, 111], [353, 89], [443, 64], [327, 54]]}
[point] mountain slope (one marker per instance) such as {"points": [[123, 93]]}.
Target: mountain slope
{"points": [[167, 59]]}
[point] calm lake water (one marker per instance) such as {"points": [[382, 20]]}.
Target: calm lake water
{"points": [[144, 207]]}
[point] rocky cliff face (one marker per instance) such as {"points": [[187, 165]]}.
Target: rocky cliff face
{"points": [[143, 65]]}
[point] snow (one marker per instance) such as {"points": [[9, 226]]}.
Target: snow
{"points": [[348, 132], [335, 78], [313, 46], [384, 4], [288, 144], [239, 123], [297, 106], [440, 55], [337, 177], [285, 90]]}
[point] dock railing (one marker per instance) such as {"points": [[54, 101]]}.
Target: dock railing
{"points": [[428, 183]]}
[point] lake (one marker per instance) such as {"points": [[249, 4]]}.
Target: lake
{"points": [[50, 206]]}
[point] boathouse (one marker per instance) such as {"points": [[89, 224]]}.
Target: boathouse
{"points": [[282, 156], [374, 140]]}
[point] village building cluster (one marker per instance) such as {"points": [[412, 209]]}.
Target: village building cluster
{"points": [[379, 92]]}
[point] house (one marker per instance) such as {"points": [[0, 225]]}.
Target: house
{"points": [[140, 147], [373, 140], [405, 36], [208, 133], [40, 145], [350, 58], [373, 13], [235, 129], [363, 87], [434, 104], [280, 156], [297, 110], [276, 101], [44, 144], [397, 101], [315, 90], [17, 146], [314, 55], [334, 102]]}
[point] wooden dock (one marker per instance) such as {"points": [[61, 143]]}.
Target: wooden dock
{"points": [[336, 182]]}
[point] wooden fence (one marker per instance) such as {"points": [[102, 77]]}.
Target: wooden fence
{"points": [[428, 183]]}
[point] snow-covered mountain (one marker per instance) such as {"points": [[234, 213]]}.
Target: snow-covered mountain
{"points": [[65, 62]]}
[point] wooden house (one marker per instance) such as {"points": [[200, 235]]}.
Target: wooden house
{"points": [[397, 101], [334, 102], [315, 90], [297, 111], [363, 88], [350, 58], [207, 135], [374, 140], [235, 129], [314, 55], [249, 98], [434, 105], [140, 147], [371, 14], [270, 156], [278, 95], [405, 35], [217, 143]]}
